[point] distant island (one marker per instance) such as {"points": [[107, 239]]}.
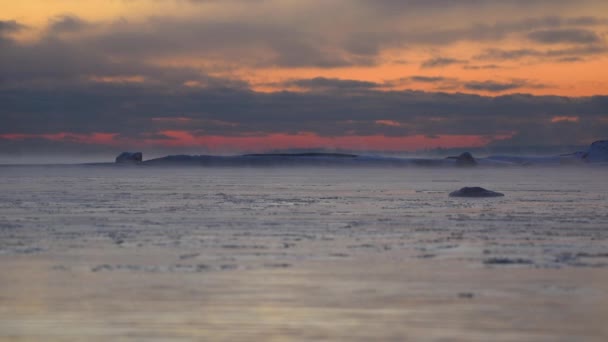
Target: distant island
{"points": [[597, 153]]}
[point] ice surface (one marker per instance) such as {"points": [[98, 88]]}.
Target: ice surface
{"points": [[302, 253]]}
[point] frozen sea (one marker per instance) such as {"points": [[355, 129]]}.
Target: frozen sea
{"points": [[105, 253]]}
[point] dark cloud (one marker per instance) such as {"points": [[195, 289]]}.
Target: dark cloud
{"points": [[10, 26], [364, 43], [130, 110], [427, 79], [570, 59], [67, 23], [248, 38], [220, 1], [478, 31], [576, 36], [501, 54], [322, 83], [85, 77], [441, 62], [252, 43], [492, 86], [55, 62], [433, 6], [334, 84], [452, 83], [481, 67], [573, 52]]}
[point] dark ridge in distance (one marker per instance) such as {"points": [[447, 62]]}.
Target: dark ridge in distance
{"points": [[306, 154]]}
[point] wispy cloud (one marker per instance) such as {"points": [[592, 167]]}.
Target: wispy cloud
{"points": [[441, 62], [576, 36], [494, 86]]}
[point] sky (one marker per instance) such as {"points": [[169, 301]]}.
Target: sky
{"points": [[230, 76]]}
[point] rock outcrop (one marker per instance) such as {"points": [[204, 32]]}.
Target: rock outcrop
{"points": [[129, 158], [475, 192], [597, 152], [464, 159]]}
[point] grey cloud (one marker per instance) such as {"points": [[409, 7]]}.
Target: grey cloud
{"points": [[549, 22], [577, 36], [54, 61], [588, 50], [10, 26], [439, 83], [364, 46], [574, 52], [46, 88], [322, 83], [205, 2], [427, 79], [254, 43], [300, 54], [326, 84], [67, 23], [294, 41], [450, 83], [570, 59], [397, 6], [129, 109], [492, 86], [499, 30], [441, 62], [481, 67], [501, 54]]}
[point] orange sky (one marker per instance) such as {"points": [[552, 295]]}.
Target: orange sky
{"points": [[586, 77], [490, 48]]}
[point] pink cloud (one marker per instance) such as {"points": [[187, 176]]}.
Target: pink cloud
{"points": [[265, 142], [557, 119], [390, 123]]}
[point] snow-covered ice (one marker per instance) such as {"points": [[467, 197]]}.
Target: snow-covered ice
{"points": [[302, 253]]}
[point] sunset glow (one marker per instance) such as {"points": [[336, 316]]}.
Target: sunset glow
{"points": [[240, 75], [185, 139]]}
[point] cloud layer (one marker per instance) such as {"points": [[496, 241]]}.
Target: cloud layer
{"points": [[316, 69], [108, 113]]}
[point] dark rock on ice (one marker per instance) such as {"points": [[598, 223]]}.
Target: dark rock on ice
{"points": [[592, 255], [129, 157], [277, 265], [507, 261], [228, 267], [464, 159], [104, 267], [188, 256], [475, 191], [29, 250], [303, 155]]}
